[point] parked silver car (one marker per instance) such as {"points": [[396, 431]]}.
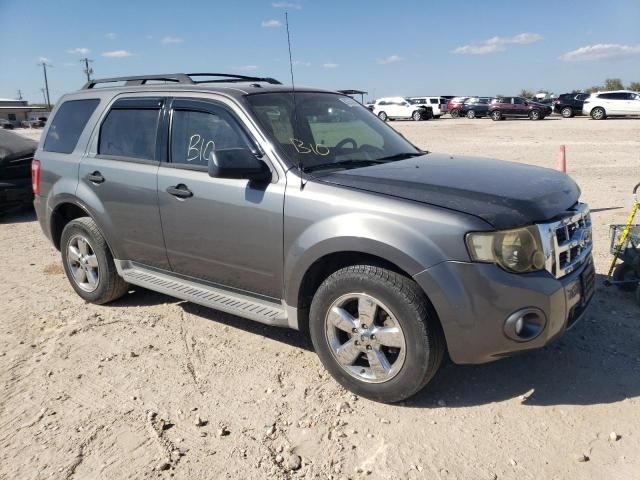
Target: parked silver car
{"points": [[304, 210]]}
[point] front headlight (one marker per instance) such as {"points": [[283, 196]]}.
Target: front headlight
{"points": [[519, 250]]}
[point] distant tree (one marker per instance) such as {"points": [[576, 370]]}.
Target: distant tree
{"points": [[635, 86], [613, 84], [595, 88], [526, 93]]}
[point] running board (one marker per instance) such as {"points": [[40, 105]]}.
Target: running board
{"points": [[235, 303]]}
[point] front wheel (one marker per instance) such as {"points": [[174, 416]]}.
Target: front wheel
{"points": [[471, 114], [383, 116], [535, 115], [417, 116], [374, 331], [625, 272], [496, 115], [598, 113], [455, 113], [89, 264]]}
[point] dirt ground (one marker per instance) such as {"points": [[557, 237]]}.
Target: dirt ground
{"points": [[153, 387]]}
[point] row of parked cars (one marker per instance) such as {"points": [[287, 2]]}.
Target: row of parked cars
{"points": [[596, 105]]}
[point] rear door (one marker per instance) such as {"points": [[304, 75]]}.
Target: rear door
{"points": [[118, 179], [223, 230]]}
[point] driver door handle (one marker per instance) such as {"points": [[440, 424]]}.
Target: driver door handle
{"points": [[180, 191]]}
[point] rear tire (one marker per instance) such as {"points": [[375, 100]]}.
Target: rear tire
{"points": [[471, 114], [567, 112], [625, 272], [455, 113], [383, 116], [352, 308], [598, 113], [496, 115], [89, 264]]}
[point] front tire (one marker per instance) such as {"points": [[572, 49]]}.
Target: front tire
{"points": [[383, 116], [375, 332], [471, 114], [455, 113], [496, 115], [535, 115], [598, 113], [417, 116], [567, 112], [89, 264], [625, 272]]}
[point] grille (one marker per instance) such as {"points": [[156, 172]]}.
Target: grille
{"points": [[569, 241]]}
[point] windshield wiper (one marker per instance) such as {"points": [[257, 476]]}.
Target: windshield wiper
{"points": [[400, 156], [344, 164]]}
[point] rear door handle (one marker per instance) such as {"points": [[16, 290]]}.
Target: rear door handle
{"points": [[180, 191], [95, 177]]}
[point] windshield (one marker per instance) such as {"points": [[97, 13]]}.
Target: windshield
{"points": [[331, 131]]}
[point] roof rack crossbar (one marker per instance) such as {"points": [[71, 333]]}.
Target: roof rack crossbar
{"points": [[184, 78]]}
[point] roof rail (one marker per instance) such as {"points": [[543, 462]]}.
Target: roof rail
{"points": [[184, 78]]}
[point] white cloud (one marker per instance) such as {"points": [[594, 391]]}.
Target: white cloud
{"points": [[291, 5], [44, 60], [389, 59], [300, 63], [497, 44], [330, 65], [601, 51], [171, 40], [117, 54], [248, 68], [110, 35], [79, 51], [271, 23]]}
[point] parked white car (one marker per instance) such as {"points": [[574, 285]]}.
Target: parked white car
{"points": [[619, 102], [392, 108], [438, 104]]}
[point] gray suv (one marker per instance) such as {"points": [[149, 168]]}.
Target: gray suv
{"points": [[301, 209]]}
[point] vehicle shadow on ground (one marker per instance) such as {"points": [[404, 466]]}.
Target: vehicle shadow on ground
{"points": [[595, 362], [18, 215], [140, 297]]}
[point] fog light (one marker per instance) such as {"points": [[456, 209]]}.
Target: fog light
{"points": [[525, 325]]}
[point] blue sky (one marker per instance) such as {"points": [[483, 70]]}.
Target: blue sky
{"points": [[400, 47]]}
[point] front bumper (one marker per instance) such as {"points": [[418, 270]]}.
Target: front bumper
{"points": [[474, 300]]}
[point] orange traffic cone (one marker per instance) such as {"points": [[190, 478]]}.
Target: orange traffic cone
{"points": [[561, 164]]}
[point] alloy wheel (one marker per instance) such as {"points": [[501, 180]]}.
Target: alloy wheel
{"points": [[365, 338], [83, 263]]}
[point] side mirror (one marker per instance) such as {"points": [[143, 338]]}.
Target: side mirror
{"points": [[237, 163]]}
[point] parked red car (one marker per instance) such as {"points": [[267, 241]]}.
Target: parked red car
{"points": [[455, 104]]}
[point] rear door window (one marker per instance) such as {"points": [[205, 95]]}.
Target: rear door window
{"points": [[67, 125], [130, 129]]}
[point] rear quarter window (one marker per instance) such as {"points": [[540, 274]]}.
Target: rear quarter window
{"points": [[67, 125]]}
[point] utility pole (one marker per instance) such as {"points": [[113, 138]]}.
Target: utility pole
{"points": [[44, 96], [88, 71], [19, 94], [46, 82]]}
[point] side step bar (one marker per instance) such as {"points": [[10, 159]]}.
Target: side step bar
{"points": [[235, 303]]}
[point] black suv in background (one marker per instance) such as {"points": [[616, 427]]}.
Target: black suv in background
{"points": [[570, 104], [475, 107], [16, 154]]}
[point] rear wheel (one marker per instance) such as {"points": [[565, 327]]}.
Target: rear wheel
{"points": [[383, 116], [375, 333], [455, 113], [496, 115], [88, 262], [567, 112], [471, 114], [598, 113]]}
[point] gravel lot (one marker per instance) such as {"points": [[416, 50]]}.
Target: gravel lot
{"points": [[153, 387]]}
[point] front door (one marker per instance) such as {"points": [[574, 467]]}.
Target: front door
{"points": [[225, 231]]}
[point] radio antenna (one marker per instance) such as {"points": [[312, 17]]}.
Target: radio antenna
{"points": [[293, 89]]}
